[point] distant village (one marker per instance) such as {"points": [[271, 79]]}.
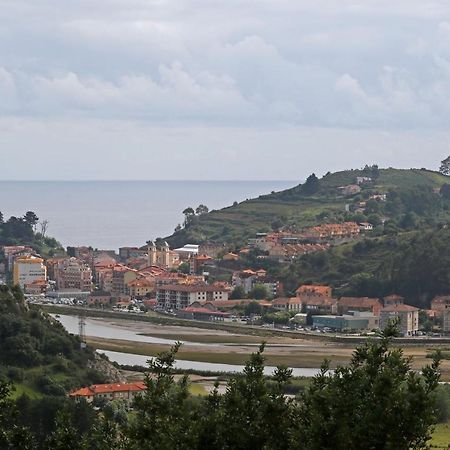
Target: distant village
{"points": [[183, 282], [149, 278]]}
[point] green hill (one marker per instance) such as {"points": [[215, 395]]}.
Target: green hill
{"points": [[36, 352], [408, 190]]}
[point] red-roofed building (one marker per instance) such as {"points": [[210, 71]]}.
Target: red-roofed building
{"points": [[202, 313], [312, 290], [393, 300], [440, 304], [292, 304], [361, 304], [125, 391], [318, 304]]}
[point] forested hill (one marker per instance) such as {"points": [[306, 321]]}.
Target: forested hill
{"points": [[23, 231], [412, 201], [36, 352]]}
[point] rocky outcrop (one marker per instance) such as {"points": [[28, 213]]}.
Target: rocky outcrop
{"points": [[102, 365]]}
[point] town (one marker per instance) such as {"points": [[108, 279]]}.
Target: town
{"points": [[205, 282]]}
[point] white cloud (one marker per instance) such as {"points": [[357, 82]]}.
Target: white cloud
{"points": [[375, 65]]}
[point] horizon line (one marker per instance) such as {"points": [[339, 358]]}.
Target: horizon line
{"points": [[142, 180]]}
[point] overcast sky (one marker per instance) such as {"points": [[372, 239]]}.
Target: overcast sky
{"points": [[227, 89]]}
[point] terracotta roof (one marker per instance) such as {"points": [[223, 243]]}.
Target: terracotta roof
{"points": [[318, 301], [108, 389], [323, 290], [399, 308], [203, 258], [286, 301], [359, 301]]}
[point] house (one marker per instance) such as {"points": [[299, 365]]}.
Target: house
{"points": [[99, 298], [121, 276], [408, 317], [27, 269], [351, 189], [446, 322], [330, 231], [361, 304], [248, 279], [363, 180], [292, 304], [230, 257], [312, 290], [72, 274], [318, 304], [202, 313], [365, 226], [393, 300], [440, 304], [140, 287], [123, 391], [180, 296], [37, 287], [199, 262]]}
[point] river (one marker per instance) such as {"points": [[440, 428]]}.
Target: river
{"points": [[99, 328]]}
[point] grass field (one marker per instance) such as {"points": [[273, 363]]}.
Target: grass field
{"points": [[441, 436]]}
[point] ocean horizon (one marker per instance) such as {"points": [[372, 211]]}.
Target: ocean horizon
{"points": [[108, 214]]}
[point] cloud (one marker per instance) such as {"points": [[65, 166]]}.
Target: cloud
{"points": [[255, 65]]}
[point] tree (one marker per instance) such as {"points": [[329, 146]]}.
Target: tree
{"points": [[252, 308], [1, 217], [311, 186], [237, 293], [445, 166], [376, 402], [259, 292], [252, 414], [201, 209], [44, 225], [31, 218], [164, 417], [445, 191], [65, 436], [189, 214], [12, 435]]}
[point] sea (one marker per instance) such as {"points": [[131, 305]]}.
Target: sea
{"points": [[114, 214]]}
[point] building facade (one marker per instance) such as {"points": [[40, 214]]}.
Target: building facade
{"points": [[28, 269], [179, 296], [407, 317]]}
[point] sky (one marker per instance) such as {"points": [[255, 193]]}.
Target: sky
{"points": [[223, 89]]}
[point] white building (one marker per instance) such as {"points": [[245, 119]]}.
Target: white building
{"points": [[408, 317], [179, 296], [28, 269]]}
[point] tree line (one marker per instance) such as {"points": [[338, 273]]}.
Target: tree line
{"points": [[376, 401]]}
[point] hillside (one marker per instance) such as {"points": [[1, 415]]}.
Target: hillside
{"points": [[298, 207], [37, 354], [414, 264]]}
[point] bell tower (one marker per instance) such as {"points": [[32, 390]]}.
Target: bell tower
{"points": [[165, 255], [151, 253]]}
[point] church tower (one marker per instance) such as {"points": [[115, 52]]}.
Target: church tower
{"points": [[165, 255], [152, 253]]}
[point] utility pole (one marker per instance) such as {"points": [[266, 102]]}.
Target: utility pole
{"points": [[82, 329]]}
